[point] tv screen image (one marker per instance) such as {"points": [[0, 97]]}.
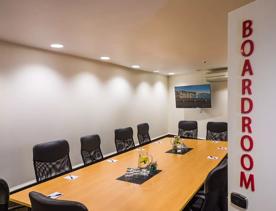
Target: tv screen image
{"points": [[195, 96]]}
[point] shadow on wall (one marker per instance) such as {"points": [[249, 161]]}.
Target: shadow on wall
{"points": [[55, 96], [219, 105]]}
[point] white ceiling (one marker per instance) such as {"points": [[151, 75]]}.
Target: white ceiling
{"points": [[166, 35]]}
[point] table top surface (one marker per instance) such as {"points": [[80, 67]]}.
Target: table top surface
{"points": [[97, 186]]}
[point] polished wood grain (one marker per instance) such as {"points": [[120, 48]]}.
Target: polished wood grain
{"points": [[98, 189]]}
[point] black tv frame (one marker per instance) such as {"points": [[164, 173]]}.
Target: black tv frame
{"points": [[193, 102]]}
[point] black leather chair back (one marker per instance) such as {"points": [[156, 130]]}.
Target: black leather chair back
{"points": [[216, 189], [51, 159], [4, 195], [43, 203], [187, 129], [91, 149], [217, 131], [124, 139], [143, 133]]}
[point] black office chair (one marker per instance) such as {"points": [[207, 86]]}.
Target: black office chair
{"points": [[124, 139], [143, 133], [5, 196], [90, 149], [215, 196], [217, 131], [187, 129], [43, 203], [51, 159]]}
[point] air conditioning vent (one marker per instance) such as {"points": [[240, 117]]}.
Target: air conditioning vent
{"points": [[217, 74]]}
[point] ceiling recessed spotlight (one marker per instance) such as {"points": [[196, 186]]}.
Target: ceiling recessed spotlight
{"points": [[156, 71], [105, 58], [135, 66], [56, 45], [171, 73]]}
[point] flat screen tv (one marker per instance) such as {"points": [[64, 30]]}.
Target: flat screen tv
{"points": [[195, 96]]}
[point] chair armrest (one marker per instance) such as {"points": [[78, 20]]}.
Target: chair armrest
{"points": [[14, 207], [201, 193]]}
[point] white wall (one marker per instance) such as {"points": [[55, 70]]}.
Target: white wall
{"points": [[46, 96], [218, 112], [263, 115]]}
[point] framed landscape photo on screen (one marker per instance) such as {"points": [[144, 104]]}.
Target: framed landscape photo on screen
{"points": [[194, 96]]}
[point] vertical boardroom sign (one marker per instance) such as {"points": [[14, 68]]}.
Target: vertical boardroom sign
{"points": [[247, 179]]}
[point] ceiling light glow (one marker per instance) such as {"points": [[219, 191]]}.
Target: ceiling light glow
{"points": [[171, 73], [135, 66], [105, 58], [56, 45]]}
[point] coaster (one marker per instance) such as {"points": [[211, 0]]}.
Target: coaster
{"points": [[179, 151], [138, 179]]}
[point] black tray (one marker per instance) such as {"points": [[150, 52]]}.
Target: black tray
{"points": [[138, 179], [181, 152]]}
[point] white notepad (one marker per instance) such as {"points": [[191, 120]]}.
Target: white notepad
{"points": [[222, 148], [112, 160], [210, 157], [55, 195], [71, 177]]}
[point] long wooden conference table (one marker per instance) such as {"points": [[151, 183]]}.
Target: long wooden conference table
{"points": [[98, 188]]}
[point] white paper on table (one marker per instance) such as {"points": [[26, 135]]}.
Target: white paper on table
{"points": [[140, 149], [210, 157], [55, 195], [112, 160], [71, 177], [222, 148]]}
